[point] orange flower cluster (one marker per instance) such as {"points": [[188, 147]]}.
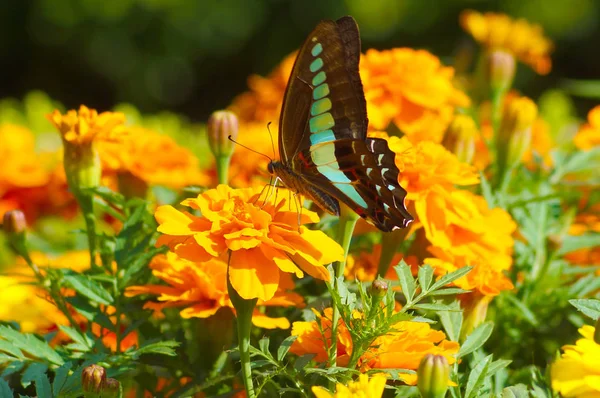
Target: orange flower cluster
{"points": [[403, 348], [587, 222], [588, 136], [202, 289], [524, 40], [87, 125], [153, 158], [265, 237], [411, 88]]}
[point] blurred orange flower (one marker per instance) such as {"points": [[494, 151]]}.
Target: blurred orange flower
{"points": [[587, 222], [363, 266], [151, 157], [411, 88], [402, 348], [542, 144], [524, 40], [202, 290], [588, 135], [265, 237], [87, 125]]}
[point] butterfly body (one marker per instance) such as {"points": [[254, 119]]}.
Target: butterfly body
{"points": [[324, 149]]}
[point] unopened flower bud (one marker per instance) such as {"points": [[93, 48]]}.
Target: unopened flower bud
{"points": [[379, 288], [93, 379], [14, 222], [460, 138], [111, 388], [514, 136], [82, 166], [501, 67], [432, 376], [222, 125]]}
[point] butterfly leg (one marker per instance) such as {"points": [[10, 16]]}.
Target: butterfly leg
{"points": [[263, 190], [298, 204]]}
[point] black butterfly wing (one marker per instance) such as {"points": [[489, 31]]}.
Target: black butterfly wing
{"points": [[323, 128]]}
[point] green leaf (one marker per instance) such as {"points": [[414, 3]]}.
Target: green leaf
{"points": [[285, 347], [5, 390], [33, 371], [452, 321], [432, 307], [8, 348], [476, 377], [476, 339], [303, 361], [572, 243], [42, 386], [160, 347], [498, 365], [518, 391], [406, 280], [13, 367], [82, 340], [30, 344], [89, 288], [263, 344], [449, 291], [589, 307], [425, 276], [451, 277], [60, 377], [486, 190]]}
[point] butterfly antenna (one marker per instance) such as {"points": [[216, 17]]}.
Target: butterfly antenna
{"points": [[271, 135], [250, 149]]}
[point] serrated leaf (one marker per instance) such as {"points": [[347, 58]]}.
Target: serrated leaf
{"points": [[13, 367], [89, 288], [476, 339], [425, 276], [60, 377], [161, 347], [32, 372], [285, 347], [518, 391], [451, 277], [589, 307], [42, 386], [263, 345], [303, 361], [259, 363], [30, 344], [498, 365], [572, 243], [432, 307], [476, 377], [76, 336], [449, 291], [9, 348], [452, 321], [407, 281], [5, 390]]}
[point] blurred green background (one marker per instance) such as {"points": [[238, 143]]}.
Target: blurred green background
{"points": [[193, 57]]}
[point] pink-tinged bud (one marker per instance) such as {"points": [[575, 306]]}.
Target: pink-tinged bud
{"points": [[460, 138], [433, 375], [111, 388], [501, 67], [221, 125], [93, 379], [14, 222]]}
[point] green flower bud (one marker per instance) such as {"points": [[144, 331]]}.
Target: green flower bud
{"points": [[379, 288], [501, 68], [82, 166], [93, 379], [111, 388], [432, 376], [222, 125]]}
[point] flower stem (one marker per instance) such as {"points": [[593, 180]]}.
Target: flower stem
{"points": [[348, 219], [223, 168], [244, 309], [86, 202]]}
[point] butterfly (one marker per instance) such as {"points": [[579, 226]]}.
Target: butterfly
{"points": [[325, 154]]}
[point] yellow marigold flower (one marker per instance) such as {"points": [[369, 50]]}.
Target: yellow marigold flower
{"points": [[151, 157], [588, 135], [202, 290], [362, 388], [86, 125], [524, 40], [265, 236], [402, 348], [263, 101], [577, 372], [426, 165], [411, 88]]}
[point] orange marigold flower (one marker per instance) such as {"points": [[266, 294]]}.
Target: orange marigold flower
{"points": [[542, 144], [86, 125], [426, 165], [401, 348], [202, 290], [265, 236], [363, 387], [363, 266], [411, 88], [588, 222], [588, 135], [577, 372], [463, 231], [151, 157], [524, 40], [263, 101]]}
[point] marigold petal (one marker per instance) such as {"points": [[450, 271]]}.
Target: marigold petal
{"points": [[252, 275], [172, 221], [262, 321]]}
